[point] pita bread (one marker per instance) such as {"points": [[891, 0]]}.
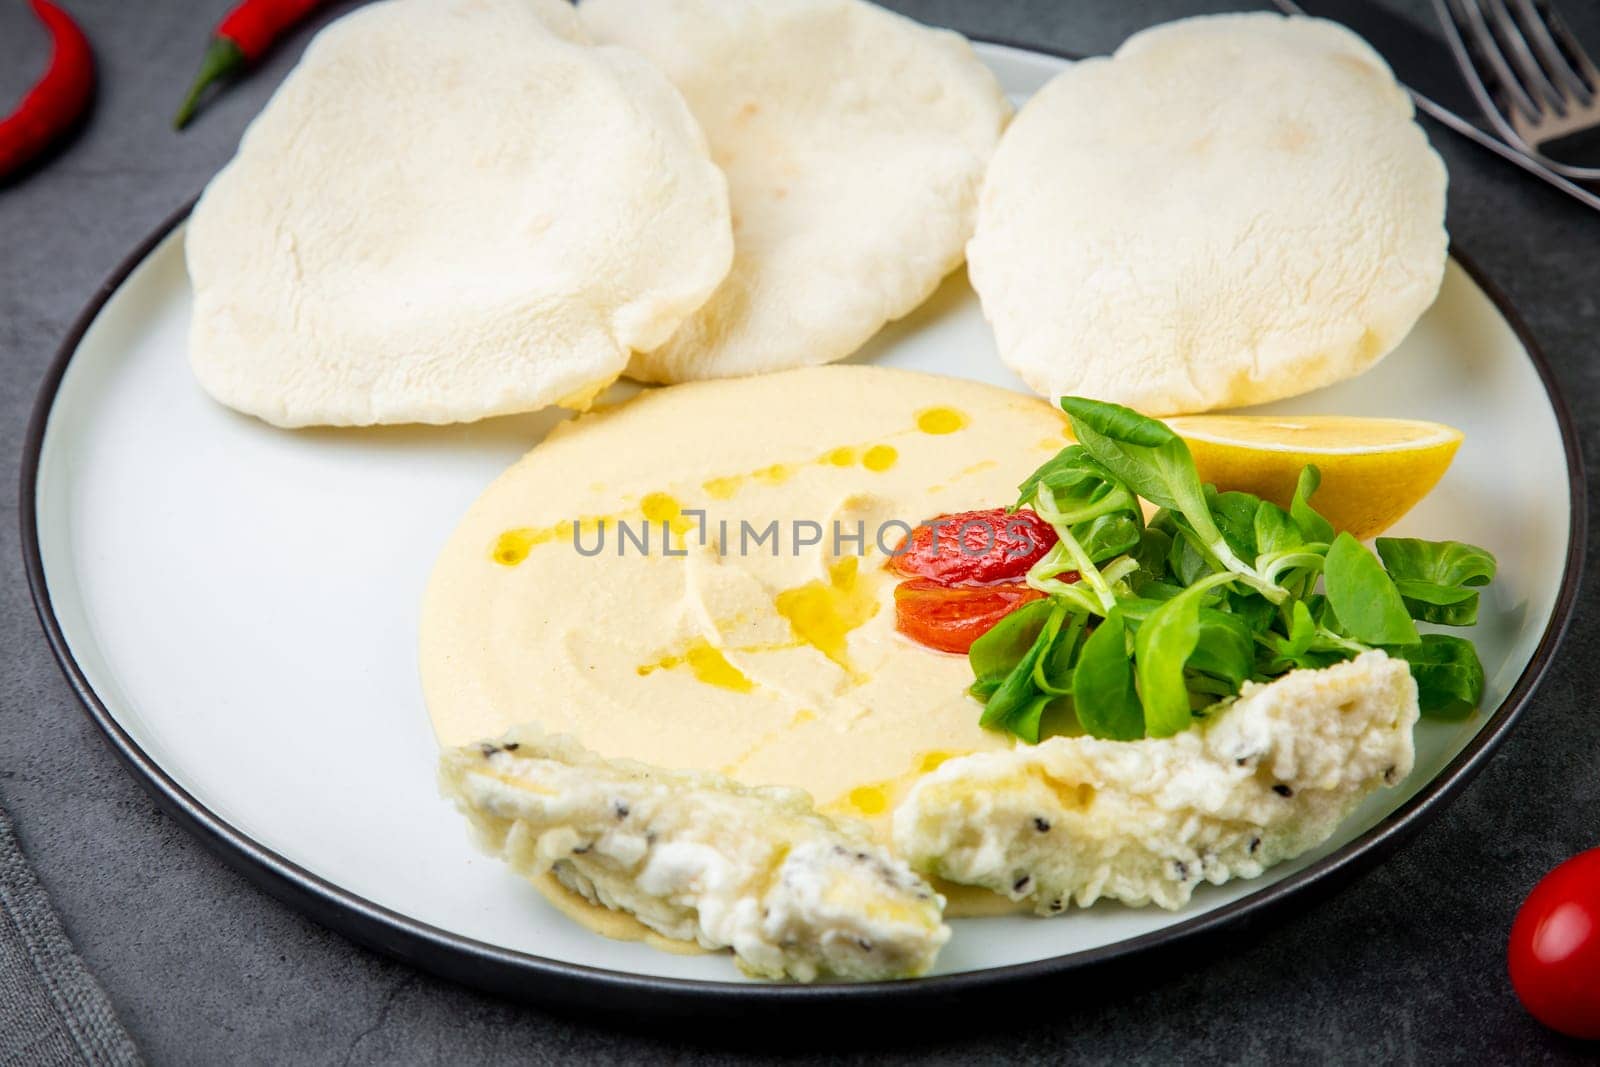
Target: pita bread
{"points": [[1230, 210], [451, 209], [854, 141]]}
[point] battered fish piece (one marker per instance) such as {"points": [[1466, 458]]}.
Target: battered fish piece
{"points": [[698, 857], [1075, 819]]}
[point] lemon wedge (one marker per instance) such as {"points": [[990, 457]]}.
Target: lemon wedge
{"points": [[1373, 470]]}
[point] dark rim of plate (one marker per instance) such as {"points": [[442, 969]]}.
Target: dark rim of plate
{"points": [[527, 976]]}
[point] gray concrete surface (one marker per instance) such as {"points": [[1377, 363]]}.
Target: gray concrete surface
{"points": [[1405, 965]]}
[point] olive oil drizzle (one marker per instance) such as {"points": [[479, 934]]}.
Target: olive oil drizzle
{"points": [[513, 546]]}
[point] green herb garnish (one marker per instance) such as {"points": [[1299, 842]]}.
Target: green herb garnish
{"points": [[1167, 619]]}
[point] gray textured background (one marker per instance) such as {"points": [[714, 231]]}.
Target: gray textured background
{"points": [[1407, 964]]}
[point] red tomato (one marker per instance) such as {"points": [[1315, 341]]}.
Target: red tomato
{"points": [[1554, 954], [974, 547], [950, 618]]}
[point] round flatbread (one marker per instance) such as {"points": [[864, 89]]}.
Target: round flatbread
{"points": [[451, 209], [1230, 210], [854, 141]]}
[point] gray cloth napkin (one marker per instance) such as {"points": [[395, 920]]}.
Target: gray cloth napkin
{"points": [[52, 1011]]}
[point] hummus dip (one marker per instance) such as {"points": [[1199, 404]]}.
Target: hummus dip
{"points": [[585, 593]]}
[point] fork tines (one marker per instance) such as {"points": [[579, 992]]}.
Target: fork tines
{"points": [[1530, 75]]}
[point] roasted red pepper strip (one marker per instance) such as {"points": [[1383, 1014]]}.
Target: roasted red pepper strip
{"points": [[242, 37], [57, 100], [974, 547], [950, 618]]}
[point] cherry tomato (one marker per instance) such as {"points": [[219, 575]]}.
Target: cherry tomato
{"points": [[1554, 955], [974, 547], [950, 618]]}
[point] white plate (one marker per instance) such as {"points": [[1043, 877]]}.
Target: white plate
{"points": [[237, 606]]}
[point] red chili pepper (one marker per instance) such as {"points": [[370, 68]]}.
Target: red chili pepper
{"points": [[242, 37], [57, 100]]}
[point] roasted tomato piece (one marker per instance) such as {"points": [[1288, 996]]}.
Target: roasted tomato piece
{"points": [[950, 618], [974, 547]]}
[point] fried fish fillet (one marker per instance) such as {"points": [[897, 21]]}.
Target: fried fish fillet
{"points": [[698, 857], [1075, 819]]}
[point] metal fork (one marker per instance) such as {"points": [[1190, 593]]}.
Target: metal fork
{"points": [[1531, 77]]}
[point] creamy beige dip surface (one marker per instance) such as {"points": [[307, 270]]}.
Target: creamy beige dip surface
{"points": [[755, 656]]}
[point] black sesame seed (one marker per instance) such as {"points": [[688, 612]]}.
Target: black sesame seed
{"points": [[1255, 843], [1056, 905], [1041, 824], [1242, 760], [861, 855], [1388, 774], [1021, 884], [621, 810], [512, 746], [581, 849], [866, 946], [488, 750], [1283, 790], [1180, 870]]}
